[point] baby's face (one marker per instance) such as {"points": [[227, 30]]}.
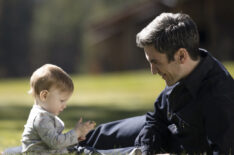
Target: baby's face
{"points": [[56, 101]]}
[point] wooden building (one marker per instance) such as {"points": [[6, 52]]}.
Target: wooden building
{"points": [[113, 46]]}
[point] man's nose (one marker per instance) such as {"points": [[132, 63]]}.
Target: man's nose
{"points": [[153, 69]]}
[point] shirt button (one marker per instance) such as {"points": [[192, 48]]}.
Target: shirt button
{"points": [[182, 124]]}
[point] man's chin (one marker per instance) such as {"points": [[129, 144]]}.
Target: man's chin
{"points": [[170, 83]]}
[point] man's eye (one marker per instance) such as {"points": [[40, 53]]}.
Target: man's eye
{"points": [[154, 63]]}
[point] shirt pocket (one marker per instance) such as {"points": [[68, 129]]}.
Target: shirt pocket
{"points": [[180, 127]]}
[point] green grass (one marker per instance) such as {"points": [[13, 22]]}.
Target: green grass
{"points": [[101, 98]]}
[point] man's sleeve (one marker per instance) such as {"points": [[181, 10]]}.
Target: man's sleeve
{"points": [[219, 123], [154, 134], [49, 135]]}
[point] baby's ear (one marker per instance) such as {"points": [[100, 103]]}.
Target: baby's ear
{"points": [[43, 95]]}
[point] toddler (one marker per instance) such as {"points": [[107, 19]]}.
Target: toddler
{"points": [[51, 87]]}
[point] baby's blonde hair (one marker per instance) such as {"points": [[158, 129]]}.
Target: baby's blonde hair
{"points": [[47, 76]]}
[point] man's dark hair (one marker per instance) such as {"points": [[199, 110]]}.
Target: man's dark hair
{"points": [[168, 32]]}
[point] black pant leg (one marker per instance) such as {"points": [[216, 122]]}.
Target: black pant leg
{"points": [[116, 134]]}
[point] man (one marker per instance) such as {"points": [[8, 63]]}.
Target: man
{"points": [[195, 112]]}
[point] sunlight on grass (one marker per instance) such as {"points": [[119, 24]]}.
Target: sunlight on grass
{"points": [[125, 88], [101, 98], [230, 67], [10, 134]]}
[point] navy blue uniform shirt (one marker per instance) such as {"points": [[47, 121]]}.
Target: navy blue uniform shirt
{"points": [[195, 115]]}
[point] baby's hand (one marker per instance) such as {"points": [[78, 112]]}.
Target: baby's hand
{"points": [[81, 139], [82, 128]]}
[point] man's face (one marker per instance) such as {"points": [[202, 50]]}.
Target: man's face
{"points": [[169, 71]]}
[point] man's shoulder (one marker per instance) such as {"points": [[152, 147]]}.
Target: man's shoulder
{"points": [[217, 88], [217, 76], [218, 84]]}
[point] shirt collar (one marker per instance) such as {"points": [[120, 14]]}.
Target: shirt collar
{"points": [[193, 81], [39, 108]]}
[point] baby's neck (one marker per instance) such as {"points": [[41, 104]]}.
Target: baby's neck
{"points": [[38, 102]]}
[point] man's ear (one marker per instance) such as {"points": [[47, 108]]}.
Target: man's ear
{"points": [[43, 95], [181, 55]]}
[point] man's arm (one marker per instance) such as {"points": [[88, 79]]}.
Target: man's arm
{"points": [[219, 122], [153, 136]]}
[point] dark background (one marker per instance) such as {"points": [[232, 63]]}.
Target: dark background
{"points": [[98, 36]]}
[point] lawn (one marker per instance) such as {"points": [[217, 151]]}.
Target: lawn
{"points": [[101, 98]]}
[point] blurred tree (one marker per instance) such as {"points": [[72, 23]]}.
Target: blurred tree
{"points": [[34, 32], [57, 33], [15, 22], [59, 29]]}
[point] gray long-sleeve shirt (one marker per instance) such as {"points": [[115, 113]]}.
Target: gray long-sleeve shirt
{"points": [[43, 133]]}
